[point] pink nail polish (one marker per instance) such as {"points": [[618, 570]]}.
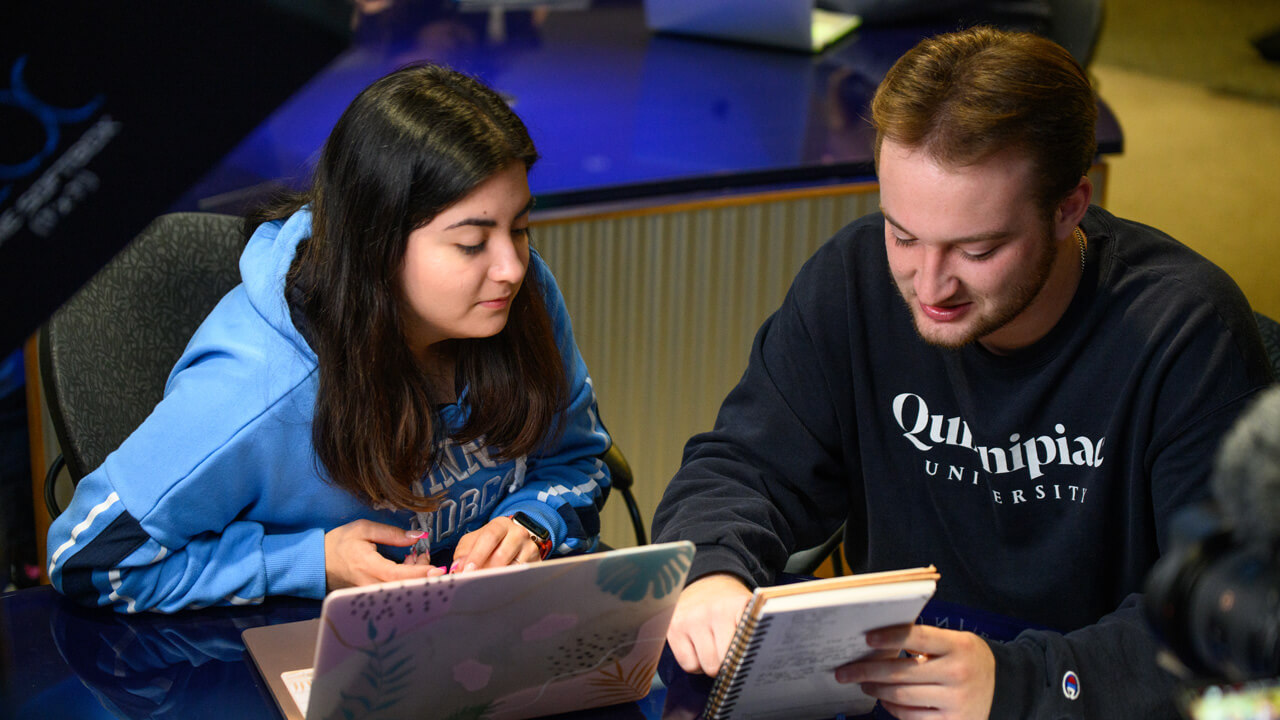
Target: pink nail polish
{"points": [[415, 534]]}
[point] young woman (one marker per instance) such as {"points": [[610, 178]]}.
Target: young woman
{"points": [[396, 369]]}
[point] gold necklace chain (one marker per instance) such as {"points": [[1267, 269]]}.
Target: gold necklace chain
{"points": [[1083, 243]]}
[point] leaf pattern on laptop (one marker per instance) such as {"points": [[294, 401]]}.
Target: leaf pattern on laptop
{"points": [[474, 712], [631, 577], [383, 679], [614, 684]]}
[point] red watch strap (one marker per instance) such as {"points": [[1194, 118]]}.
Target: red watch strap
{"points": [[544, 545]]}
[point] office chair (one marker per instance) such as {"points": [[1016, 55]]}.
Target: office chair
{"points": [[621, 481], [1270, 331], [106, 353], [1076, 25], [805, 562]]}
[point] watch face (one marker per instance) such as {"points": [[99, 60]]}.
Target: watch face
{"points": [[532, 526]]}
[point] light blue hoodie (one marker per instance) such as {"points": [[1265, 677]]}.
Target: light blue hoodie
{"points": [[218, 498]]}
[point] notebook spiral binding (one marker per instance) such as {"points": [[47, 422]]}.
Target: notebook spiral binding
{"points": [[746, 638]]}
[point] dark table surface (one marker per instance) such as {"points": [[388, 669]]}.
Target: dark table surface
{"points": [[617, 112], [60, 660]]}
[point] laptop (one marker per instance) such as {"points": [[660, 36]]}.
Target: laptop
{"points": [[790, 24], [504, 643]]}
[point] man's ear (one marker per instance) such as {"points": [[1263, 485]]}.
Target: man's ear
{"points": [[1072, 208]]}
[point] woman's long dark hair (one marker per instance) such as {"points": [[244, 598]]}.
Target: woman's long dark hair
{"points": [[409, 146]]}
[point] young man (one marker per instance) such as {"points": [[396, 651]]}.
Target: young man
{"points": [[991, 376]]}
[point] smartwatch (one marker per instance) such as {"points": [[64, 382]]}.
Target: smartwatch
{"points": [[538, 534]]}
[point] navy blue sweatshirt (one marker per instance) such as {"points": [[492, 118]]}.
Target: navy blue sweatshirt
{"points": [[1039, 483]]}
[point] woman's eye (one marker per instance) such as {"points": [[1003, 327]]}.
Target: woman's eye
{"points": [[902, 242], [472, 249]]}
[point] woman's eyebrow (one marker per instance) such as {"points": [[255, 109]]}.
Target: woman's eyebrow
{"points": [[489, 222]]}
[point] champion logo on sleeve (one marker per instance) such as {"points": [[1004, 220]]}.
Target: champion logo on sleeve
{"points": [[1071, 685]]}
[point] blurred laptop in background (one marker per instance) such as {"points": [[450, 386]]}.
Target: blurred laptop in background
{"points": [[791, 24]]}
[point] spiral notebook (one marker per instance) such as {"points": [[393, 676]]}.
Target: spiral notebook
{"points": [[507, 643], [782, 659]]}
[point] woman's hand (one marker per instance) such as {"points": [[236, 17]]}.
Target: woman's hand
{"points": [[499, 543], [351, 555]]}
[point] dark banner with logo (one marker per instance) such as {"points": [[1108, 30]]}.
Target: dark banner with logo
{"points": [[110, 109]]}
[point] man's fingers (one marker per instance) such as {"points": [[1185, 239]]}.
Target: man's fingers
{"points": [[945, 673], [911, 696], [710, 650], [682, 650], [916, 639], [907, 712], [722, 637], [694, 646], [704, 622], [896, 670], [895, 636]]}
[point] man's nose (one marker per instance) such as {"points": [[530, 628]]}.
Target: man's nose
{"points": [[934, 281]]}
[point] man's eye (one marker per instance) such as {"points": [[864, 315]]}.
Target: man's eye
{"points": [[979, 256], [902, 242]]}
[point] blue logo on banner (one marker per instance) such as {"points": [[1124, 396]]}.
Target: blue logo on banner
{"points": [[50, 118]]}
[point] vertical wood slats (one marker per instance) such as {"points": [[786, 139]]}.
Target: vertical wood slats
{"points": [[665, 305]]}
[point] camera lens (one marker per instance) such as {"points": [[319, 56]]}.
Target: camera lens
{"points": [[1234, 611], [1216, 605]]}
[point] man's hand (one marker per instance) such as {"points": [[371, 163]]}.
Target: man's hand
{"points": [[351, 555], [499, 543], [949, 674], [706, 615]]}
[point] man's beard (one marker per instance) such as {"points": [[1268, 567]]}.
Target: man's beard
{"points": [[1022, 294]]}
